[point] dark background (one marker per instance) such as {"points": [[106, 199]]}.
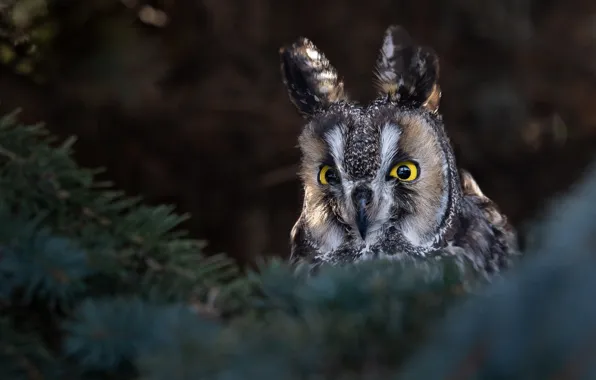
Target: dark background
{"points": [[182, 102]]}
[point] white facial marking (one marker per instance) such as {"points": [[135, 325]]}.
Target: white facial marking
{"points": [[389, 138], [335, 140], [410, 231], [330, 239]]}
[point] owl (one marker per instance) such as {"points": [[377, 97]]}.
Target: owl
{"points": [[380, 179]]}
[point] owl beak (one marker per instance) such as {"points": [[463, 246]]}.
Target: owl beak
{"points": [[361, 217], [362, 197]]}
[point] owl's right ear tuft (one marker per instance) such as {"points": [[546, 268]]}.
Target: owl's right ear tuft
{"points": [[408, 74], [311, 81]]}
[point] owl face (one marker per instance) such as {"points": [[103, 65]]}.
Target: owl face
{"points": [[366, 167], [374, 167]]}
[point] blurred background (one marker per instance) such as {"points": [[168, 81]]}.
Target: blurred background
{"points": [[182, 101]]}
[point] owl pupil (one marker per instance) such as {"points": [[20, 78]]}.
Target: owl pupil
{"points": [[331, 176], [403, 172]]}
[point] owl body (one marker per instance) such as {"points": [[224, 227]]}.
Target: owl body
{"points": [[380, 179]]}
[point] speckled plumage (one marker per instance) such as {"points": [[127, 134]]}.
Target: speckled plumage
{"points": [[365, 212]]}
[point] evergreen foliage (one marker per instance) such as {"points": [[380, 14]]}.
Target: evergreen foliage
{"points": [[69, 244], [95, 285]]}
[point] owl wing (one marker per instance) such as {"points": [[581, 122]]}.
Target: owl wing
{"points": [[502, 230], [301, 248], [487, 206]]}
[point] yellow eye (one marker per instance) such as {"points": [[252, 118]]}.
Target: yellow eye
{"points": [[327, 175], [405, 171]]}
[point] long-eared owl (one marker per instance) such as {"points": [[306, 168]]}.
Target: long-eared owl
{"points": [[380, 179]]}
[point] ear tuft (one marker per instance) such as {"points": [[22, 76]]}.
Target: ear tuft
{"points": [[311, 81], [406, 73]]}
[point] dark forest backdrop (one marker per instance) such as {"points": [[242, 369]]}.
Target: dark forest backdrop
{"points": [[182, 102]]}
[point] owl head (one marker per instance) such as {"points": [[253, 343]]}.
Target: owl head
{"points": [[371, 169]]}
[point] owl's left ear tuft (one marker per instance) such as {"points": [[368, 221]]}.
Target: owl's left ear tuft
{"points": [[312, 82], [406, 73]]}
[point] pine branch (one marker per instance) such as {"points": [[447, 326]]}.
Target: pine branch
{"points": [[128, 244], [66, 239], [107, 333], [38, 263], [359, 320], [23, 356]]}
